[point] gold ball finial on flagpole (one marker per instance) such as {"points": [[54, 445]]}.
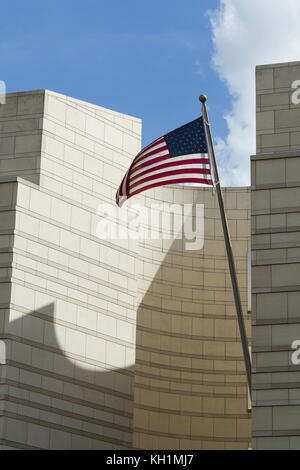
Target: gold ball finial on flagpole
{"points": [[203, 98]]}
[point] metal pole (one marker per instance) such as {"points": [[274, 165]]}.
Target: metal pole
{"points": [[234, 281]]}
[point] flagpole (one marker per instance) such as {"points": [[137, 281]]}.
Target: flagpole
{"points": [[234, 281]]}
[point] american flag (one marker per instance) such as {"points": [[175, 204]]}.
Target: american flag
{"points": [[181, 156]]}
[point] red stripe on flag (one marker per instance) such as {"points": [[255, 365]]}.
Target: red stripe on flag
{"points": [[203, 161], [153, 144], [149, 154], [171, 173], [154, 160]]}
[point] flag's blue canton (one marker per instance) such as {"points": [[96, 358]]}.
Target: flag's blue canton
{"points": [[187, 139]]}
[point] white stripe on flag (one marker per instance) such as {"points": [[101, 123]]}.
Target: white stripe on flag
{"points": [[173, 168], [124, 184], [172, 159], [151, 149], [170, 177], [152, 157]]}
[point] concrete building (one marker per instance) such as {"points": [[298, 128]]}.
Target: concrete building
{"points": [[190, 388], [276, 258], [110, 344], [127, 344], [117, 344], [67, 301]]}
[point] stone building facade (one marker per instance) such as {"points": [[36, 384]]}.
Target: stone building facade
{"points": [[110, 344], [275, 240], [67, 301]]}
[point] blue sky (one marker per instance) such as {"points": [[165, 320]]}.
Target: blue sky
{"points": [[152, 59], [147, 59]]}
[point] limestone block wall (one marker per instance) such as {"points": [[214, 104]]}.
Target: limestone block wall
{"points": [[110, 343], [21, 122], [277, 118], [190, 385], [67, 299], [276, 259], [86, 149]]}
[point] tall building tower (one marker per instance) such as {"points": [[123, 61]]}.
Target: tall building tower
{"points": [[67, 321], [109, 343], [275, 239]]}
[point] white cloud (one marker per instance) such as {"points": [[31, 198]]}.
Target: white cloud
{"points": [[247, 33]]}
